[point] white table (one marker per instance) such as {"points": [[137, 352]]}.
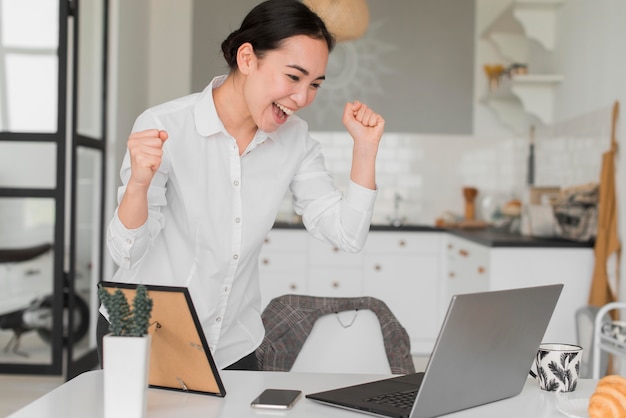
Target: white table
{"points": [[82, 397]]}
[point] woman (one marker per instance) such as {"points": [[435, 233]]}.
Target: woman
{"points": [[204, 176]]}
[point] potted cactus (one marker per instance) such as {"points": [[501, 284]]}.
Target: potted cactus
{"points": [[126, 352], [123, 321]]}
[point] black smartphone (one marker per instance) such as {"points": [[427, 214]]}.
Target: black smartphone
{"points": [[276, 399]]}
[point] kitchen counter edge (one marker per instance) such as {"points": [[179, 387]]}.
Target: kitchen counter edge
{"points": [[489, 237]]}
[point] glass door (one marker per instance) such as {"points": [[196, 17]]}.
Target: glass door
{"points": [[52, 130], [33, 81]]}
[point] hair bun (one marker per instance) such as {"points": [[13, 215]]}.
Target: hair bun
{"points": [[609, 398]]}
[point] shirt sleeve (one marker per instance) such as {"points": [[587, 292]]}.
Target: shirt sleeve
{"points": [[126, 246], [342, 219]]}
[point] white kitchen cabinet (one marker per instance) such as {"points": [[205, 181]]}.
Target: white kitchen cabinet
{"points": [[332, 272], [497, 268], [467, 267], [518, 267], [415, 273], [283, 264], [401, 268]]}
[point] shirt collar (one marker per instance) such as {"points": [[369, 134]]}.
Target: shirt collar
{"points": [[208, 122], [204, 112]]}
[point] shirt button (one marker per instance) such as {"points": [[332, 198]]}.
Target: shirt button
{"points": [[237, 220], [236, 182], [236, 257], [127, 259], [218, 319], [226, 289], [128, 241]]}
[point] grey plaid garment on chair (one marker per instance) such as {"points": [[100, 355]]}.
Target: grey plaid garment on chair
{"points": [[289, 319]]}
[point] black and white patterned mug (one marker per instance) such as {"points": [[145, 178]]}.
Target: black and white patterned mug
{"points": [[558, 367]]}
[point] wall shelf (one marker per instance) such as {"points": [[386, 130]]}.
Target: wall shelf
{"points": [[536, 93], [538, 18], [510, 32], [512, 46], [508, 111], [521, 95]]}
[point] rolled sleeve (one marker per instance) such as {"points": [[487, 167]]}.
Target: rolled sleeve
{"points": [[361, 197], [127, 246], [328, 214], [356, 215]]}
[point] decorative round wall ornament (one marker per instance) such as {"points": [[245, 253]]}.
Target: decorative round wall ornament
{"points": [[355, 71]]}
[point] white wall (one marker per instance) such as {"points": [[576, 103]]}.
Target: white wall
{"points": [[170, 50], [149, 63], [591, 57]]}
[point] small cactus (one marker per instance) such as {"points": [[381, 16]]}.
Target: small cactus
{"points": [[123, 321]]}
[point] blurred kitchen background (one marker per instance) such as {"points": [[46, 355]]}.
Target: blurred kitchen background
{"points": [[466, 88]]}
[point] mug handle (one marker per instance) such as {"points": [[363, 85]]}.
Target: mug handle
{"points": [[531, 372]]}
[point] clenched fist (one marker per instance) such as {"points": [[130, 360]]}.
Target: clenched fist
{"points": [[146, 150]]}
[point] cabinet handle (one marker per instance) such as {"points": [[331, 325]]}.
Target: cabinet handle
{"points": [[450, 246], [451, 275], [335, 249], [402, 243], [377, 267], [266, 262], [463, 253], [335, 285], [481, 270], [293, 286], [266, 240]]}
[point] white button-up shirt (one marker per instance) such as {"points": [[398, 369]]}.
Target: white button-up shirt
{"points": [[210, 210]]}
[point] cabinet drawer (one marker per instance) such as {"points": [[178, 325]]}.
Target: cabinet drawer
{"points": [[272, 261], [324, 254], [403, 242], [286, 240], [468, 266], [335, 282], [466, 258], [278, 284]]}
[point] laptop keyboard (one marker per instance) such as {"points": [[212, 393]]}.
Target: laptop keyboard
{"points": [[403, 400]]}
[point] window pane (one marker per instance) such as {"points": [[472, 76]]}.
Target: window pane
{"points": [[31, 93], [90, 67], [88, 248], [27, 164], [29, 23], [29, 37], [26, 279]]}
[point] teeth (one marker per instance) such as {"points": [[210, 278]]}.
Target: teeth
{"points": [[287, 111]]}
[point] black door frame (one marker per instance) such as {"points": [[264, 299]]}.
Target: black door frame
{"points": [[63, 279]]}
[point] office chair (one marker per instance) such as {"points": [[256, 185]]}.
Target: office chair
{"points": [[325, 334]]}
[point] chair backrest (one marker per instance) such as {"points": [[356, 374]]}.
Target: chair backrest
{"points": [[585, 318], [344, 342], [296, 322]]}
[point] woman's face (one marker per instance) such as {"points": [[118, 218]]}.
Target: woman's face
{"points": [[285, 80]]}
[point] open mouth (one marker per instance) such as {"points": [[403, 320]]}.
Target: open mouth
{"points": [[282, 111]]}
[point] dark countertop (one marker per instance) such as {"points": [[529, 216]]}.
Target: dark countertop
{"points": [[488, 236], [495, 238]]}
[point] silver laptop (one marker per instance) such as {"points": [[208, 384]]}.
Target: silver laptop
{"points": [[483, 354]]}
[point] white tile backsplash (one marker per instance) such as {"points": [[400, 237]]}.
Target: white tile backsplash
{"points": [[428, 172]]}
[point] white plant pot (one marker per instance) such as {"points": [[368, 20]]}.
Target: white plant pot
{"points": [[126, 366]]}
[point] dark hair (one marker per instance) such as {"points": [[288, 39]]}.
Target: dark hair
{"points": [[269, 23]]}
